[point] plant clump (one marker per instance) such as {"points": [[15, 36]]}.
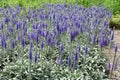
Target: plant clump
{"points": [[56, 41]]}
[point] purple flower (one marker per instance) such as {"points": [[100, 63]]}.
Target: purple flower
{"points": [[112, 35], [86, 50], [10, 29], [24, 33], [85, 53], [7, 20], [79, 48], [49, 40], [19, 37], [69, 61], [75, 60], [30, 54], [57, 42], [13, 43], [41, 16], [29, 37], [42, 45], [110, 14], [76, 56], [61, 47], [39, 31], [18, 25], [105, 41], [71, 36], [3, 42], [47, 33], [23, 42], [37, 38], [94, 39], [34, 26], [116, 48], [106, 23], [81, 29], [101, 44], [36, 58], [42, 25], [43, 33], [1, 26], [25, 29], [32, 36], [31, 44]]}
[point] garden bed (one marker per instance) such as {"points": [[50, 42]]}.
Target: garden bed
{"points": [[55, 41]]}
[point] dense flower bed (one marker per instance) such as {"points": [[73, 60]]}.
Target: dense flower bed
{"points": [[54, 42]]}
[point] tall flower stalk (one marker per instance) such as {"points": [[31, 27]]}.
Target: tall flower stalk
{"points": [[114, 64], [30, 61], [76, 60], [69, 61], [85, 53], [111, 39]]}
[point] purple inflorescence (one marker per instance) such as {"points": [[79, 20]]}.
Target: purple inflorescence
{"points": [[55, 27], [116, 48], [36, 58]]}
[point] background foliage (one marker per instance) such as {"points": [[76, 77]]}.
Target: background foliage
{"points": [[111, 4]]}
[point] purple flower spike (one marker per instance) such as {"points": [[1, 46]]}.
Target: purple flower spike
{"points": [[112, 35], [7, 20], [3, 43], [61, 47], [23, 42], [57, 42], [13, 43], [69, 61], [116, 48], [101, 44], [34, 26], [71, 36], [42, 45], [10, 29], [86, 50], [79, 48], [18, 25], [39, 31], [31, 44], [37, 38], [1, 26], [30, 54], [32, 36], [36, 58], [76, 56]]}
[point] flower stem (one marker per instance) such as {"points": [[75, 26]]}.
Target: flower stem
{"points": [[113, 65]]}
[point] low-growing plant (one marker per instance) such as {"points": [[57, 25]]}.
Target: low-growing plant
{"points": [[56, 41]]}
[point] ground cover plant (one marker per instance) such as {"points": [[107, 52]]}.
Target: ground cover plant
{"points": [[55, 41]]}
